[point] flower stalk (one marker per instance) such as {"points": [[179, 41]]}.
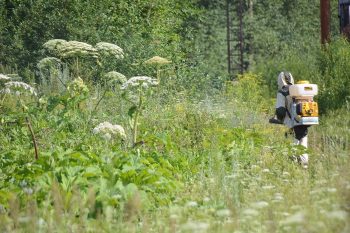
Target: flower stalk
{"points": [[137, 114], [139, 84]]}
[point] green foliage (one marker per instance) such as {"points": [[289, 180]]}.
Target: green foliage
{"points": [[302, 67], [334, 79], [249, 90], [203, 156], [142, 29]]}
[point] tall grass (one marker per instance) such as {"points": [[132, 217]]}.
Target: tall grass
{"points": [[230, 171]]}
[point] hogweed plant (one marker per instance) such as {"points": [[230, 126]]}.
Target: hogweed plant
{"points": [[109, 49], [77, 87], [114, 78], [49, 63], [4, 77], [77, 91], [3, 80], [52, 75], [54, 46], [66, 50], [20, 92], [111, 81], [70, 49], [18, 89], [138, 85], [74, 50], [157, 62], [109, 131]]}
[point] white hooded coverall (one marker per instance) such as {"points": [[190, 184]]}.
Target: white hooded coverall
{"points": [[283, 109]]}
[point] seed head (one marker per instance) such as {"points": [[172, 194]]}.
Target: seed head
{"points": [[109, 49], [156, 60], [77, 87]]}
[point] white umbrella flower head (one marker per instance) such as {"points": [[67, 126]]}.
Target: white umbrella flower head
{"points": [[77, 49], [54, 46], [110, 49], [68, 49], [48, 62], [137, 84], [140, 81], [18, 88], [4, 78], [115, 77], [109, 131]]}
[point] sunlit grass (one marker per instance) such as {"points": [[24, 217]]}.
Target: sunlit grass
{"points": [[233, 169]]}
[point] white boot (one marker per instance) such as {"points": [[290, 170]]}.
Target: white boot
{"points": [[304, 160]]}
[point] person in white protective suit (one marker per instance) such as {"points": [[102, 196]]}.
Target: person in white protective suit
{"points": [[283, 105]]}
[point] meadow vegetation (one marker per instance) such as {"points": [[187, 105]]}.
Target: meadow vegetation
{"points": [[98, 136]]}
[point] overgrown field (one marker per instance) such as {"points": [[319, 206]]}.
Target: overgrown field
{"points": [[175, 163], [98, 133]]}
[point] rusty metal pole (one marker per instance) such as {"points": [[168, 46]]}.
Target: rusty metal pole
{"points": [[228, 25], [325, 21]]}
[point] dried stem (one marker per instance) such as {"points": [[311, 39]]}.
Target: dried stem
{"points": [[99, 101]]}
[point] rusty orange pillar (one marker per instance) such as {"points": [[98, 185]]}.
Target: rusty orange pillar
{"points": [[325, 21]]}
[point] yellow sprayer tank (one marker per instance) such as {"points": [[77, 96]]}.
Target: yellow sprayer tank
{"points": [[304, 110]]}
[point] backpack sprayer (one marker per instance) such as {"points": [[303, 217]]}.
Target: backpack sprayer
{"points": [[303, 109]]}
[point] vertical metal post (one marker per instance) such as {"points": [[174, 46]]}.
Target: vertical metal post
{"points": [[240, 37], [228, 25], [325, 19]]}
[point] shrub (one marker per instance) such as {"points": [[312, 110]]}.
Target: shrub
{"points": [[334, 80]]}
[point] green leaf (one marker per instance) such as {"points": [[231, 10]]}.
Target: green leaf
{"points": [[132, 111], [92, 171]]}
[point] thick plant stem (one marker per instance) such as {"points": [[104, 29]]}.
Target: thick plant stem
{"points": [[77, 66], [33, 138], [158, 73], [138, 111], [2, 101]]}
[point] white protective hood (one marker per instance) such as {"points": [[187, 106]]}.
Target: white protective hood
{"points": [[284, 79]]}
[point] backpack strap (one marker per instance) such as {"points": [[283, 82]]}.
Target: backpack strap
{"points": [[285, 93]]}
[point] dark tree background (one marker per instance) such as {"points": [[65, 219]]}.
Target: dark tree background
{"points": [[277, 34]]}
